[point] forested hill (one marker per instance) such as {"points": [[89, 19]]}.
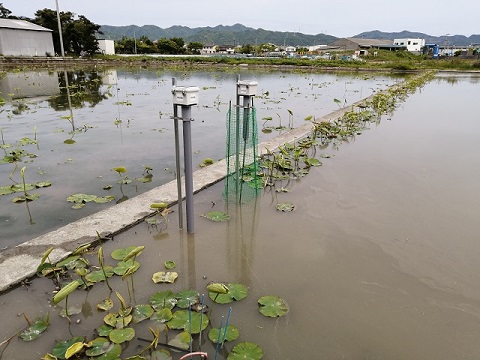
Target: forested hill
{"points": [[429, 39], [232, 35]]}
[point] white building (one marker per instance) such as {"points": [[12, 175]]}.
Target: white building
{"points": [[412, 45], [208, 49], [107, 47], [22, 38]]}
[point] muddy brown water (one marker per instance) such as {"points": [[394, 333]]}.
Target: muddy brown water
{"points": [[378, 261]]}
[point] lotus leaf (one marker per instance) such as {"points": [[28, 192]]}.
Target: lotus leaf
{"points": [[113, 353], [285, 207], [313, 162], [81, 198], [145, 179], [120, 169], [119, 336], [42, 184], [218, 216], [75, 348], [187, 298], [97, 346], [272, 306], [29, 197], [164, 277], [104, 330], [141, 312], [235, 292], [161, 354], [73, 262], [119, 254], [123, 266], [107, 187], [180, 320], [246, 350], [35, 330], [163, 299], [78, 206], [5, 190], [232, 334], [162, 315], [181, 341], [61, 347], [22, 188], [111, 319], [98, 276], [72, 310], [105, 305], [169, 264], [104, 199], [217, 288], [48, 357]]}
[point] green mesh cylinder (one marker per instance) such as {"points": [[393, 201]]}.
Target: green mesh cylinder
{"points": [[242, 183]]}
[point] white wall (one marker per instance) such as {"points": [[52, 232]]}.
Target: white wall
{"points": [[107, 47], [413, 45], [17, 42]]}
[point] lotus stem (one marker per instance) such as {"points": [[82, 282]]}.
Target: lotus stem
{"points": [[226, 325], [201, 319], [218, 338]]}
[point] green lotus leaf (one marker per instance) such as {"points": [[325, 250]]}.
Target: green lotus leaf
{"points": [[42, 184], [113, 353], [119, 254], [180, 321], [141, 312], [161, 354], [70, 262], [105, 305], [218, 216], [119, 336], [72, 310], [22, 188], [69, 141], [81, 198], [35, 330], [313, 162], [78, 206], [104, 330], [162, 315], [272, 306], [6, 190], [164, 277], [246, 350], [107, 187], [232, 334], [187, 298], [163, 299], [235, 292], [97, 346], [124, 266], [181, 341], [104, 199], [49, 357], [217, 288], [169, 264], [28, 197], [285, 207], [61, 347], [111, 319], [120, 169], [98, 276]]}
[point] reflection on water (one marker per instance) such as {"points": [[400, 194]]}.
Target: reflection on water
{"points": [[379, 260], [122, 118]]}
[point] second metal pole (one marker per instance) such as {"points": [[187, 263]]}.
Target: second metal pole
{"points": [[187, 154]]}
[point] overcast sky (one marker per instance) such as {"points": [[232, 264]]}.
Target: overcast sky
{"points": [[341, 18]]}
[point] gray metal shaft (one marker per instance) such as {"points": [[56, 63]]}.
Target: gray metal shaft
{"points": [[187, 154], [178, 168]]}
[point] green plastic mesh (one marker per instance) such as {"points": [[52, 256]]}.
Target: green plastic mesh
{"points": [[242, 182]]}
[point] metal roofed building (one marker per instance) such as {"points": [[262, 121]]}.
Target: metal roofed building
{"points": [[22, 38], [359, 43]]}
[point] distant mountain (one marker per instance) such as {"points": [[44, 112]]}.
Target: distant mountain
{"points": [[237, 34], [460, 40]]}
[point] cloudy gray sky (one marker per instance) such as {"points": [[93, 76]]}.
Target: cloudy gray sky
{"points": [[341, 18]]}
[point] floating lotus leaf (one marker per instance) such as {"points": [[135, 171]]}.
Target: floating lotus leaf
{"points": [[111, 319], [61, 347], [235, 292], [119, 254], [70, 262], [119, 336], [107, 187], [75, 348], [28, 197], [6, 190], [42, 184], [272, 306], [164, 277], [78, 206], [163, 299], [72, 310], [232, 334], [217, 288], [187, 298], [162, 315], [123, 266], [120, 169], [181, 341], [145, 179], [161, 354], [313, 162], [104, 199], [49, 357], [97, 346], [170, 264], [113, 353], [35, 330], [81, 198], [246, 350], [69, 141], [98, 276], [105, 305], [285, 207], [218, 216], [104, 330], [180, 321], [141, 312], [22, 188]]}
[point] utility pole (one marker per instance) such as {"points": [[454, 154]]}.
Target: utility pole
{"points": [[60, 30]]}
